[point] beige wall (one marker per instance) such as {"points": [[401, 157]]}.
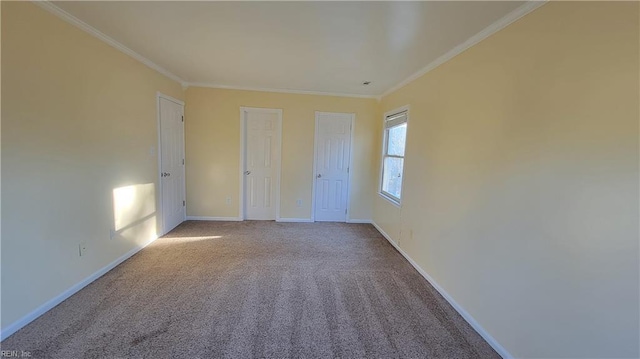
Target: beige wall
{"points": [[521, 182], [79, 121], [212, 126]]}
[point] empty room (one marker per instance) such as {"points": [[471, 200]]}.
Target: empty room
{"points": [[320, 179]]}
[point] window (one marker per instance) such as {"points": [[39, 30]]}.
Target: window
{"points": [[395, 138]]}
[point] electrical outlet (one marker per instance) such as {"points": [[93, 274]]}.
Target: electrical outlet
{"points": [[299, 203], [228, 200], [82, 249]]}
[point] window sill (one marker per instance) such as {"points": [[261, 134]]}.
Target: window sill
{"points": [[393, 201]]}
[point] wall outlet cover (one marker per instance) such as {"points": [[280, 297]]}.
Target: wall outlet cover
{"points": [[82, 249]]}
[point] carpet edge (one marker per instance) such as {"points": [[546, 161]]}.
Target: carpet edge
{"points": [[465, 315], [51, 303]]}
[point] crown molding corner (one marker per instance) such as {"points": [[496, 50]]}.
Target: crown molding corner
{"points": [[496, 26], [289, 91], [60, 13]]}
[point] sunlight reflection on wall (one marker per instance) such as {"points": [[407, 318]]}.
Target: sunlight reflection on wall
{"points": [[134, 211]]}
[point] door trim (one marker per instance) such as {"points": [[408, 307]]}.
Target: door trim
{"points": [[243, 150], [315, 160], [160, 216]]}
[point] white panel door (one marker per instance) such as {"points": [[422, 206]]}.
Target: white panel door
{"points": [[333, 146], [261, 164], [172, 163]]}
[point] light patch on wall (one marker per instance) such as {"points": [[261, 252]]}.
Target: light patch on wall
{"points": [[133, 204]]}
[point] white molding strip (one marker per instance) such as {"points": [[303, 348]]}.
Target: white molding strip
{"points": [[294, 220], [260, 89], [20, 323], [498, 25], [201, 218], [55, 10], [385, 235], [355, 220], [474, 324]]}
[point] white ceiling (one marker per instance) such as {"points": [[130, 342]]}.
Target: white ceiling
{"points": [[322, 46]]}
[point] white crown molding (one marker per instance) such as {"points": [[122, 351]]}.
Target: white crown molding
{"points": [[261, 89], [498, 25], [55, 10]]}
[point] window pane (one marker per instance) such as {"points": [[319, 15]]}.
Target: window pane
{"points": [[397, 137], [392, 176]]}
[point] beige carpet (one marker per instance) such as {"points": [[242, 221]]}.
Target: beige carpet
{"points": [[257, 290]]}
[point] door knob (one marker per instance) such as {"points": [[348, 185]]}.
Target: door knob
{"points": [[247, 172], [319, 176]]}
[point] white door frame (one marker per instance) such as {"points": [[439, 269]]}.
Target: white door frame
{"points": [[243, 155], [315, 157], [160, 95]]}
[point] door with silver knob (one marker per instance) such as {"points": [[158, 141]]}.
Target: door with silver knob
{"points": [[171, 163], [262, 163], [332, 148]]}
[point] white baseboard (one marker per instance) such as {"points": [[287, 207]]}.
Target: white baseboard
{"points": [[283, 220], [474, 324], [388, 238], [200, 218], [18, 324], [298, 220], [355, 220]]}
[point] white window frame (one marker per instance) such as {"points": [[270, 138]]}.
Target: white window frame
{"points": [[385, 132]]}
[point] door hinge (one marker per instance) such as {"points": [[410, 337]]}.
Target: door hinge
{"points": [[184, 203], [347, 169], [345, 211], [183, 161], [182, 118]]}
